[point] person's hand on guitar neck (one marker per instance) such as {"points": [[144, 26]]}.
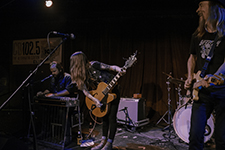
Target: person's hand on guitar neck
{"points": [[201, 83], [209, 80], [115, 68], [122, 71]]}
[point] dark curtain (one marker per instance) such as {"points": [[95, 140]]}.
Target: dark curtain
{"points": [[162, 43], [163, 48]]}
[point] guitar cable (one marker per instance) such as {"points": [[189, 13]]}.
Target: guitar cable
{"points": [[95, 121]]}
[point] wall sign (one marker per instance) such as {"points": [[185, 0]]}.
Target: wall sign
{"points": [[34, 51]]}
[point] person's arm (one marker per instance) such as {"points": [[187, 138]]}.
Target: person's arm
{"points": [[218, 77], [40, 93], [87, 94], [61, 93], [68, 80], [191, 63], [112, 68]]}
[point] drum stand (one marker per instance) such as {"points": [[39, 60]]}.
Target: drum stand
{"points": [[180, 97], [168, 122], [168, 136]]}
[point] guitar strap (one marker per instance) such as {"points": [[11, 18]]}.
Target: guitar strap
{"points": [[209, 57]]}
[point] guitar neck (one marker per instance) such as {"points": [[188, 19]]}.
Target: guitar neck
{"points": [[112, 83]]}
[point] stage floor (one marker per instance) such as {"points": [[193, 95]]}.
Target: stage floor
{"points": [[147, 137]]}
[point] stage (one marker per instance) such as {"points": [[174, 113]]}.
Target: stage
{"points": [[148, 137]]}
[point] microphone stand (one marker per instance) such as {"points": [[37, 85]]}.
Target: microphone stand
{"points": [[33, 72]]}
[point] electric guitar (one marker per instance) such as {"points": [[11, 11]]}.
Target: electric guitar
{"points": [[102, 93], [214, 80]]}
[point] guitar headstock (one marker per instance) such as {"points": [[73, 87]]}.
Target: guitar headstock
{"points": [[132, 59]]}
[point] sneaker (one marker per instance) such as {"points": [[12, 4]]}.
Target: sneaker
{"points": [[99, 146], [108, 146]]}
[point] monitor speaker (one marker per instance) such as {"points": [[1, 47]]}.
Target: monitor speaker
{"points": [[135, 108]]}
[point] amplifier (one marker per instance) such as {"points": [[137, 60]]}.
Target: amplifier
{"points": [[135, 109]]}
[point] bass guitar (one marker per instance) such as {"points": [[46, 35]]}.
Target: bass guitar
{"points": [[102, 93], [214, 80]]}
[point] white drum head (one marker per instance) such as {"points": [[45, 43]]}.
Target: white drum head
{"points": [[182, 120]]}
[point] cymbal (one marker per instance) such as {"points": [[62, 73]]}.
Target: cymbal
{"points": [[176, 81], [169, 75]]}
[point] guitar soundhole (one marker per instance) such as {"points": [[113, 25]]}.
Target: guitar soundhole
{"points": [[93, 107]]}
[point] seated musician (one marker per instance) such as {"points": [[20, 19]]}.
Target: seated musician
{"points": [[59, 81]]}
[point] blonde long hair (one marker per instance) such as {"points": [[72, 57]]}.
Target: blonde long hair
{"points": [[79, 65], [217, 17]]}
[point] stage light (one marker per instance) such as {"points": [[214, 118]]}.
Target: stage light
{"points": [[48, 3]]}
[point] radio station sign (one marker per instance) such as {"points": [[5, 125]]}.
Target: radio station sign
{"points": [[34, 51]]}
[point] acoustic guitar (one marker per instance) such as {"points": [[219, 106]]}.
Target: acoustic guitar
{"points": [[102, 93]]}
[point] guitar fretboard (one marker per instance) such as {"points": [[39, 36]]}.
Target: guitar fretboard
{"points": [[111, 84]]}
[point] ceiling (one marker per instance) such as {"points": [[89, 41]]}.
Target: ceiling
{"points": [[26, 10]]}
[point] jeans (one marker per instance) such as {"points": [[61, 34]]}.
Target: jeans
{"points": [[208, 102]]}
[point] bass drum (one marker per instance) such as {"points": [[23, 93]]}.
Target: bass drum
{"points": [[182, 120]]}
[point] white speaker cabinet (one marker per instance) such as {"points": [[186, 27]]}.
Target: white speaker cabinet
{"points": [[135, 109]]}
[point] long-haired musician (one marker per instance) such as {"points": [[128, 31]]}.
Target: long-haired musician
{"points": [[209, 88], [87, 75]]}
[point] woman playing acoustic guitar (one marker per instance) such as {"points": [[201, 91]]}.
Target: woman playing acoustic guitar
{"points": [[87, 76]]}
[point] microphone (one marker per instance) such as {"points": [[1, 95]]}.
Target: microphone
{"points": [[71, 35], [46, 78]]}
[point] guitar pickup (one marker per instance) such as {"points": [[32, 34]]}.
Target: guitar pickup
{"points": [[217, 79]]}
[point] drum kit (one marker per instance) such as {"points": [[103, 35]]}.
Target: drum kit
{"points": [[182, 117]]}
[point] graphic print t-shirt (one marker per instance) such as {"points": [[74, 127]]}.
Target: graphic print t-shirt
{"points": [[201, 48]]}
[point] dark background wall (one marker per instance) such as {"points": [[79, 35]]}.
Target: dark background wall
{"points": [[107, 31]]}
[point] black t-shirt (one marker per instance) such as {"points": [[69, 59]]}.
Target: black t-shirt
{"points": [[99, 74], [201, 48]]}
